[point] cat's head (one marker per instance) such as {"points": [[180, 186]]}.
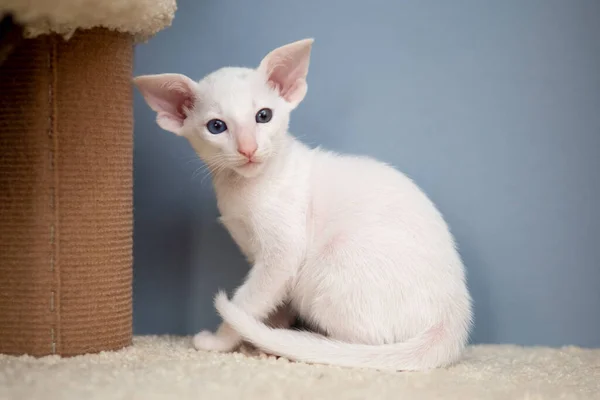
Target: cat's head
{"points": [[234, 117]]}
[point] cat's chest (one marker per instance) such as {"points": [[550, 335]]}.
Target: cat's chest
{"points": [[238, 217], [240, 204], [255, 217], [245, 215]]}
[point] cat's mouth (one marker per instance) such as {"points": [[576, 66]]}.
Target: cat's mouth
{"points": [[250, 163], [249, 168]]}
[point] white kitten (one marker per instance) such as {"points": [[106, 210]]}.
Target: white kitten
{"points": [[348, 243]]}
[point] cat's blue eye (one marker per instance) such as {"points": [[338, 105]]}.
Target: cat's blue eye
{"points": [[216, 126], [264, 115]]}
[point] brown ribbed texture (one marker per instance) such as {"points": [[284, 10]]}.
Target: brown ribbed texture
{"points": [[66, 195]]}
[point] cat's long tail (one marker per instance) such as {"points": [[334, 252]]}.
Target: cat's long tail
{"points": [[436, 347]]}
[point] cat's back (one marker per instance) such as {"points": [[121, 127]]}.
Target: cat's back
{"points": [[359, 192], [357, 177]]}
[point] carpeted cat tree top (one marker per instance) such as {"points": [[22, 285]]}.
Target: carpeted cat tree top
{"points": [[66, 144]]}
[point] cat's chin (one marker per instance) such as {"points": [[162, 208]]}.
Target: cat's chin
{"points": [[249, 170]]}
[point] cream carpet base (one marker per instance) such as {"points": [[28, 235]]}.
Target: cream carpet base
{"points": [[168, 368]]}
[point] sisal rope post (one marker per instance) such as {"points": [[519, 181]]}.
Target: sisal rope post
{"points": [[66, 189]]}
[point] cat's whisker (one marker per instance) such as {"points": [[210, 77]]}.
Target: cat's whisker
{"points": [[198, 171]]}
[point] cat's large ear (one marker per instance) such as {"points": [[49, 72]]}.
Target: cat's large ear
{"points": [[170, 95], [286, 68]]}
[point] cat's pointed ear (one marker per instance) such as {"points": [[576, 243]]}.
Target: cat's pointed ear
{"points": [[170, 95], [286, 68]]}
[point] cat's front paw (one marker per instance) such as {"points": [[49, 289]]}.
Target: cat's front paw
{"points": [[208, 341]]}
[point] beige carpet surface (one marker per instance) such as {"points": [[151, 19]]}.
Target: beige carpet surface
{"points": [[168, 368]]}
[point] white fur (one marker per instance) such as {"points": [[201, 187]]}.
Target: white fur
{"points": [[350, 244]]}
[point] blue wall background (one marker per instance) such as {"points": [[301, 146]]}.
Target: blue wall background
{"points": [[492, 107]]}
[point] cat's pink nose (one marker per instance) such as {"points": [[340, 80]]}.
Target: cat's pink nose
{"points": [[247, 151]]}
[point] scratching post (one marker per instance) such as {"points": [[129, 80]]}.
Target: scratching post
{"points": [[66, 146], [66, 194]]}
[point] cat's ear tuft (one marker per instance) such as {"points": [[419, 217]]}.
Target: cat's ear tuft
{"points": [[172, 96], [286, 68]]}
